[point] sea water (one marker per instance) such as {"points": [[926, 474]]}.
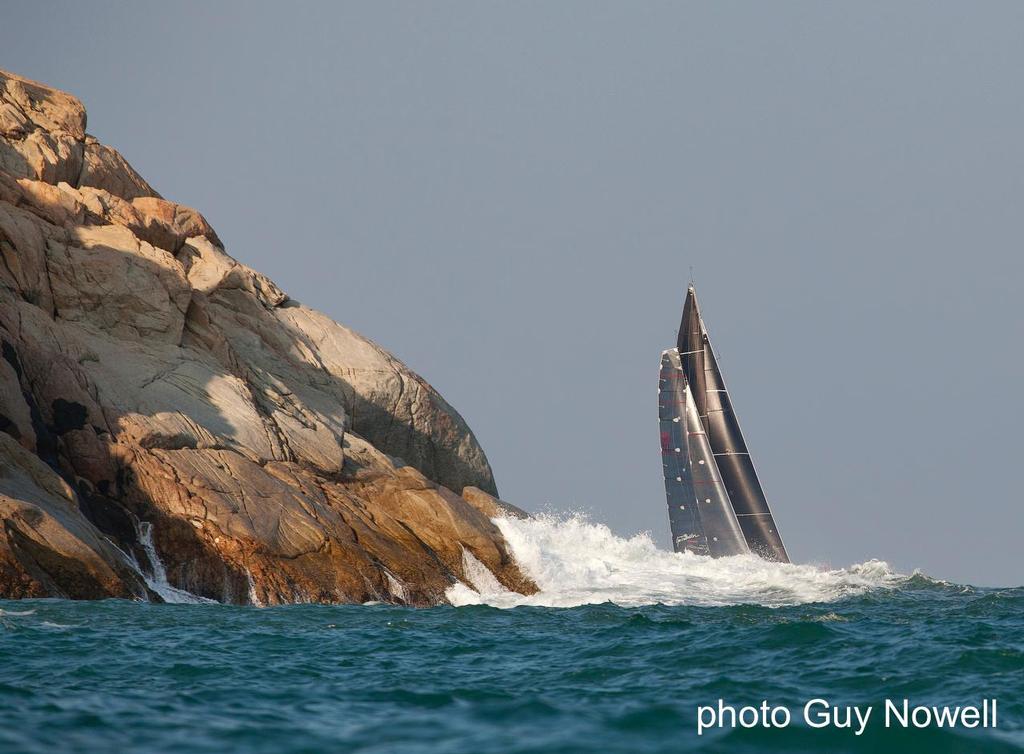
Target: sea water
{"points": [[618, 651]]}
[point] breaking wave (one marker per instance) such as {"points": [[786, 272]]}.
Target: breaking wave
{"points": [[577, 562]]}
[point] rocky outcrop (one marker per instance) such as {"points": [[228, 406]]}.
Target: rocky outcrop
{"points": [[491, 506], [150, 382], [47, 547]]}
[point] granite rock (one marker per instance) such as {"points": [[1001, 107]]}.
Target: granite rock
{"points": [[162, 400]]}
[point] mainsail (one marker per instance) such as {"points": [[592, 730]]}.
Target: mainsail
{"points": [[699, 372], [700, 514]]}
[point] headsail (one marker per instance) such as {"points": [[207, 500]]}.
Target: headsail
{"points": [[700, 514], [726, 440]]}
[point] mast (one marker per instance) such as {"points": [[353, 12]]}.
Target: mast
{"points": [[718, 417], [700, 513]]}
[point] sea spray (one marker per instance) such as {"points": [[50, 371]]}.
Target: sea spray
{"points": [[483, 588], [479, 576], [577, 562], [156, 578], [254, 598], [396, 587]]}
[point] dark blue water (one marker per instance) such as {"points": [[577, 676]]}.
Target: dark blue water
{"points": [[120, 676]]}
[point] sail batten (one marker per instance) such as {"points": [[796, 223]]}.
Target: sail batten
{"points": [[700, 513]]}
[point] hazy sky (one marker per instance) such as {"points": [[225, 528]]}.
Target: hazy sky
{"points": [[510, 197]]}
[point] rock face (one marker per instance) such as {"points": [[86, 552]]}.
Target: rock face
{"points": [[153, 384]]}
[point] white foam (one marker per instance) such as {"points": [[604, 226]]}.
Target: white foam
{"points": [[254, 599], [396, 586], [480, 577], [157, 578], [57, 626], [576, 562]]}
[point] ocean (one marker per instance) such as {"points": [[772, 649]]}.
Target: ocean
{"points": [[616, 654]]}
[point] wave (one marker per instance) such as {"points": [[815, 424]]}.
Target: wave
{"points": [[577, 562]]}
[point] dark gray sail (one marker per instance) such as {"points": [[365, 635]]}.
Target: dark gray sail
{"points": [[719, 420], [700, 514]]}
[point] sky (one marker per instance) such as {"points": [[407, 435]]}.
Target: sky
{"points": [[511, 198]]}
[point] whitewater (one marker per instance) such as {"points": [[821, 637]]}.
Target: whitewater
{"points": [[615, 653], [575, 561]]}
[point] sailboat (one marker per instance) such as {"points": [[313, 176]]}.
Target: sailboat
{"points": [[715, 501]]}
